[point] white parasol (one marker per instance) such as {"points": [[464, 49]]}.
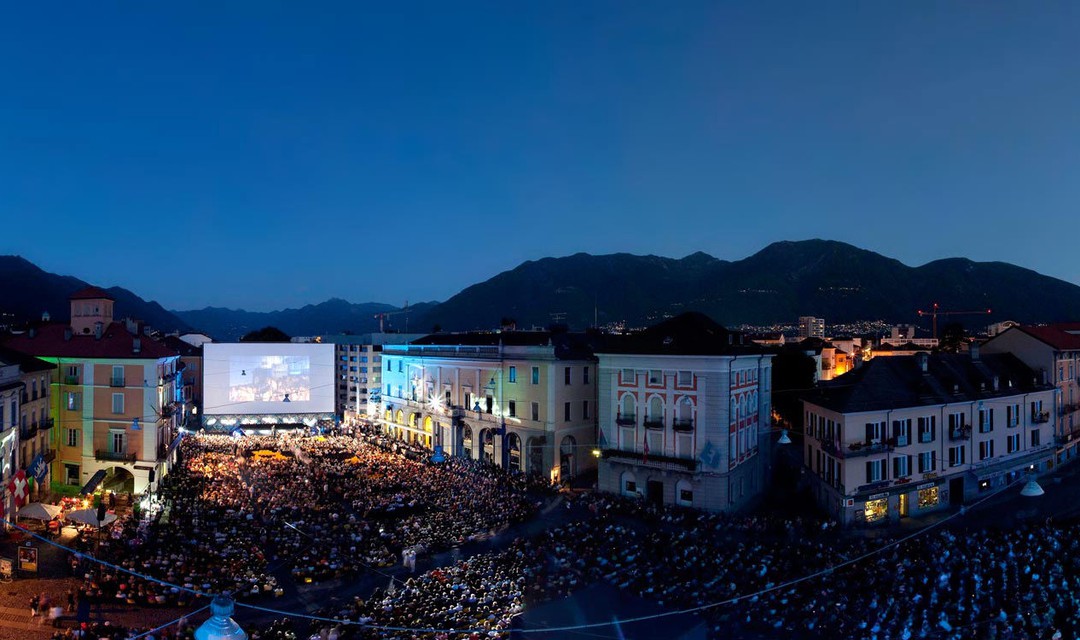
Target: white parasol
{"points": [[39, 511], [89, 516]]}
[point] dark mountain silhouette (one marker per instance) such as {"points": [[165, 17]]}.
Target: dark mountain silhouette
{"points": [[330, 317], [834, 280], [28, 291], [837, 281]]}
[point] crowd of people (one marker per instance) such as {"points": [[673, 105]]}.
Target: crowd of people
{"points": [[244, 511]]}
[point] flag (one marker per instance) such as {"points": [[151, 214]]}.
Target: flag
{"points": [[645, 458], [603, 440], [17, 487]]}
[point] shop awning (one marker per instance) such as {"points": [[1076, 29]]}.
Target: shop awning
{"points": [[92, 485]]}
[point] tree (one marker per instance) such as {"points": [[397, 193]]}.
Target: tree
{"points": [[793, 373], [952, 336], [266, 334]]}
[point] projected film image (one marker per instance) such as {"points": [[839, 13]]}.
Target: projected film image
{"points": [[269, 379]]}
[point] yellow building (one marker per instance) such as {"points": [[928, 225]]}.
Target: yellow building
{"points": [[113, 397]]}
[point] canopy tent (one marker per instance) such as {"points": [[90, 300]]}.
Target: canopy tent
{"points": [[39, 511], [89, 516], [92, 485]]}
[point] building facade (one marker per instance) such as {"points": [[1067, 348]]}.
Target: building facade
{"points": [[905, 436], [811, 327], [115, 400], [1053, 352], [358, 369], [685, 412], [520, 400], [34, 420]]}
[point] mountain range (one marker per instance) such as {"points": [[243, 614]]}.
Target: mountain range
{"points": [[829, 279]]}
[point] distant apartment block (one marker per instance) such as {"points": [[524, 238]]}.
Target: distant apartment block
{"points": [[811, 327]]}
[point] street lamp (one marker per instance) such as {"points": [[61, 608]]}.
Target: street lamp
{"points": [[1032, 488]]}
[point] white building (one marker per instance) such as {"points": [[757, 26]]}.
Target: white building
{"points": [[907, 435], [358, 371], [522, 400], [811, 327], [1053, 352], [685, 412]]}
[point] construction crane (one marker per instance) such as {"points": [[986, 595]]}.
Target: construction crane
{"points": [[381, 317], [936, 311]]}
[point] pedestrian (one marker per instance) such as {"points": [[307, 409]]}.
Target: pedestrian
{"points": [[55, 613], [70, 600], [35, 600]]}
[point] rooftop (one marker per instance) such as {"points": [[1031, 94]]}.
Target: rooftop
{"points": [[1058, 336], [90, 293], [688, 334], [53, 340], [899, 382]]}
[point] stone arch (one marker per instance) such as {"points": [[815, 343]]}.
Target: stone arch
{"points": [[567, 457], [487, 445], [513, 450], [466, 441], [535, 455], [118, 480], [429, 424]]}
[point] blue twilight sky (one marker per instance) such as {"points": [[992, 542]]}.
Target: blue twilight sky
{"points": [[270, 154]]}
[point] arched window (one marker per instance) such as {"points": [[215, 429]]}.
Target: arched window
{"points": [[627, 407], [656, 409], [685, 409]]}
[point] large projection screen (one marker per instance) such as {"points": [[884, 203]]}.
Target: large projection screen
{"points": [[267, 378]]}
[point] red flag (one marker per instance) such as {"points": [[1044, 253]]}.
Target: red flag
{"points": [[17, 487], [645, 458]]}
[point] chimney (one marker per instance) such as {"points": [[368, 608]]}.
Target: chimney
{"points": [[99, 327], [136, 345], [923, 360], [973, 349], [997, 383], [67, 333]]}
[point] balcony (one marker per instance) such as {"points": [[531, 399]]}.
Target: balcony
{"points": [[116, 382], [115, 456], [683, 424], [73, 380], [626, 419], [653, 423], [46, 424], [962, 432], [1040, 418], [50, 456], [28, 432], [899, 441], [860, 449], [658, 461]]}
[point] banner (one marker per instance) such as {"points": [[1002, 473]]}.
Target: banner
{"points": [[39, 468]]}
